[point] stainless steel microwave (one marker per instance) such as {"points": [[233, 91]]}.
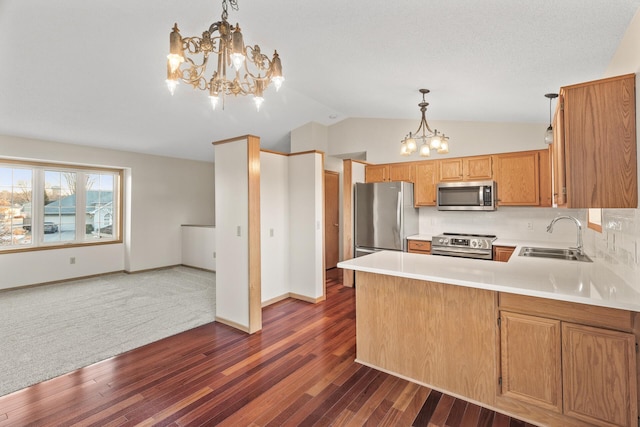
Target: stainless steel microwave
{"points": [[467, 196]]}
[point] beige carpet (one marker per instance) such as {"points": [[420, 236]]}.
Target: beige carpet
{"points": [[50, 330]]}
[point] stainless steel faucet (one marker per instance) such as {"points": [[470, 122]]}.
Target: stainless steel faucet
{"points": [[578, 224]]}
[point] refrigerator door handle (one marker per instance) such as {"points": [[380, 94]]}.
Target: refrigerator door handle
{"points": [[399, 219]]}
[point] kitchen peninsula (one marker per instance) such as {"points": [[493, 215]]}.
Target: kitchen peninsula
{"points": [[552, 342]]}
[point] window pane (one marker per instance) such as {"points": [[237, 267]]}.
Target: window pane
{"points": [[59, 206], [100, 207], [15, 206]]}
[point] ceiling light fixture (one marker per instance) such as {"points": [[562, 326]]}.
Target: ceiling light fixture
{"points": [[230, 50], [431, 139], [548, 135]]}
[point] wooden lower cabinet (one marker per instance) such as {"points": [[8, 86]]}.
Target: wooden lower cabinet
{"points": [[502, 253], [562, 373], [549, 362], [419, 247], [530, 360], [599, 375]]}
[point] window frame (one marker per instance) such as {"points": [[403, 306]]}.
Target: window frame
{"points": [[37, 214]]}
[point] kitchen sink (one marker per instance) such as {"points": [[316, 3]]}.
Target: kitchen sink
{"points": [[554, 253]]}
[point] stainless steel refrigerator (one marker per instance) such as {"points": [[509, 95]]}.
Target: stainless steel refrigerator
{"points": [[384, 216]]}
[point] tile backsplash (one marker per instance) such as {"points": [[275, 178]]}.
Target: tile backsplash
{"points": [[616, 247], [507, 223]]}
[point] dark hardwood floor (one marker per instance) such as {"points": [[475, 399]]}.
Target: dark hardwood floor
{"points": [[299, 370]]}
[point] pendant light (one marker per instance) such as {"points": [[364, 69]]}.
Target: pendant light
{"points": [[548, 136]]}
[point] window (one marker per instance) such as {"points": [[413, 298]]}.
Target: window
{"points": [[46, 206]]}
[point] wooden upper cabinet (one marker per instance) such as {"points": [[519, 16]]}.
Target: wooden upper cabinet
{"points": [[599, 130], [451, 169], [402, 172], [531, 360], [599, 375], [475, 168], [518, 178], [376, 173], [424, 190], [546, 190]]}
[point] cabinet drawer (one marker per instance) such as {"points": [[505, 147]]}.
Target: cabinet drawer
{"points": [[568, 311], [420, 247]]}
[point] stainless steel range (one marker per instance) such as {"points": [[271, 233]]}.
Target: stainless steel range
{"points": [[463, 245]]}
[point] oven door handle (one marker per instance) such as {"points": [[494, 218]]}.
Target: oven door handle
{"points": [[436, 251]]}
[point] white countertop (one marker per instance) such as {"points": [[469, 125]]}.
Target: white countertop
{"points": [[575, 281]]}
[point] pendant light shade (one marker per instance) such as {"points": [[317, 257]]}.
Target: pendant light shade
{"points": [[548, 135]]}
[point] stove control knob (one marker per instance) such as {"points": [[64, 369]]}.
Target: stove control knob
{"points": [[446, 241], [480, 243], [474, 243], [439, 240]]}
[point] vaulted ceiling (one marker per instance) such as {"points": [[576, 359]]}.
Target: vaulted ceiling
{"points": [[93, 72]]}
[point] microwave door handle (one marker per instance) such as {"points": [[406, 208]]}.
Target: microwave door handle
{"points": [[480, 196]]}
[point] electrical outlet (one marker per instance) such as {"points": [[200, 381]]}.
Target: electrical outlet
{"points": [[214, 255], [530, 226], [271, 232], [72, 260], [239, 231]]}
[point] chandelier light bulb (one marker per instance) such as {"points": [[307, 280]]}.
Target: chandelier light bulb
{"points": [[214, 101], [174, 61], [404, 151], [444, 147], [411, 144], [277, 82], [436, 141], [237, 59], [172, 84], [425, 150], [258, 101]]}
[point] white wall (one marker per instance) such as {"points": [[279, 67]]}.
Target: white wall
{"points": [[232, 225], [306, 177], [199, 246], [312, 136], [161, 194], [274, 223], [380, 138]]}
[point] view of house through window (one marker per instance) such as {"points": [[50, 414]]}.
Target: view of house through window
{"points": [[43, 205]]}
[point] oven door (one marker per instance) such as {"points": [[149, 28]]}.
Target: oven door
{"points": [[462, 252]]}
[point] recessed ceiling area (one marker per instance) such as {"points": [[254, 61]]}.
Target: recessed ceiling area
{"points": [[93, 73]]}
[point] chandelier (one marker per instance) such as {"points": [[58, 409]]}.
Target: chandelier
{"points": [[254, 71], [431, 139]]}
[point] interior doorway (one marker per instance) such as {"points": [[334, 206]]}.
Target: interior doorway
{"points": [[331, 218]]}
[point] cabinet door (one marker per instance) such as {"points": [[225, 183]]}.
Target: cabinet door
{"points": [[530, 360], [599, 371], [425, 186], [419, 247], [477, 168], [546, 190], [402, 172], [518, 178], [600, 143], [502, 253], [451, 170], [376, 173]]}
